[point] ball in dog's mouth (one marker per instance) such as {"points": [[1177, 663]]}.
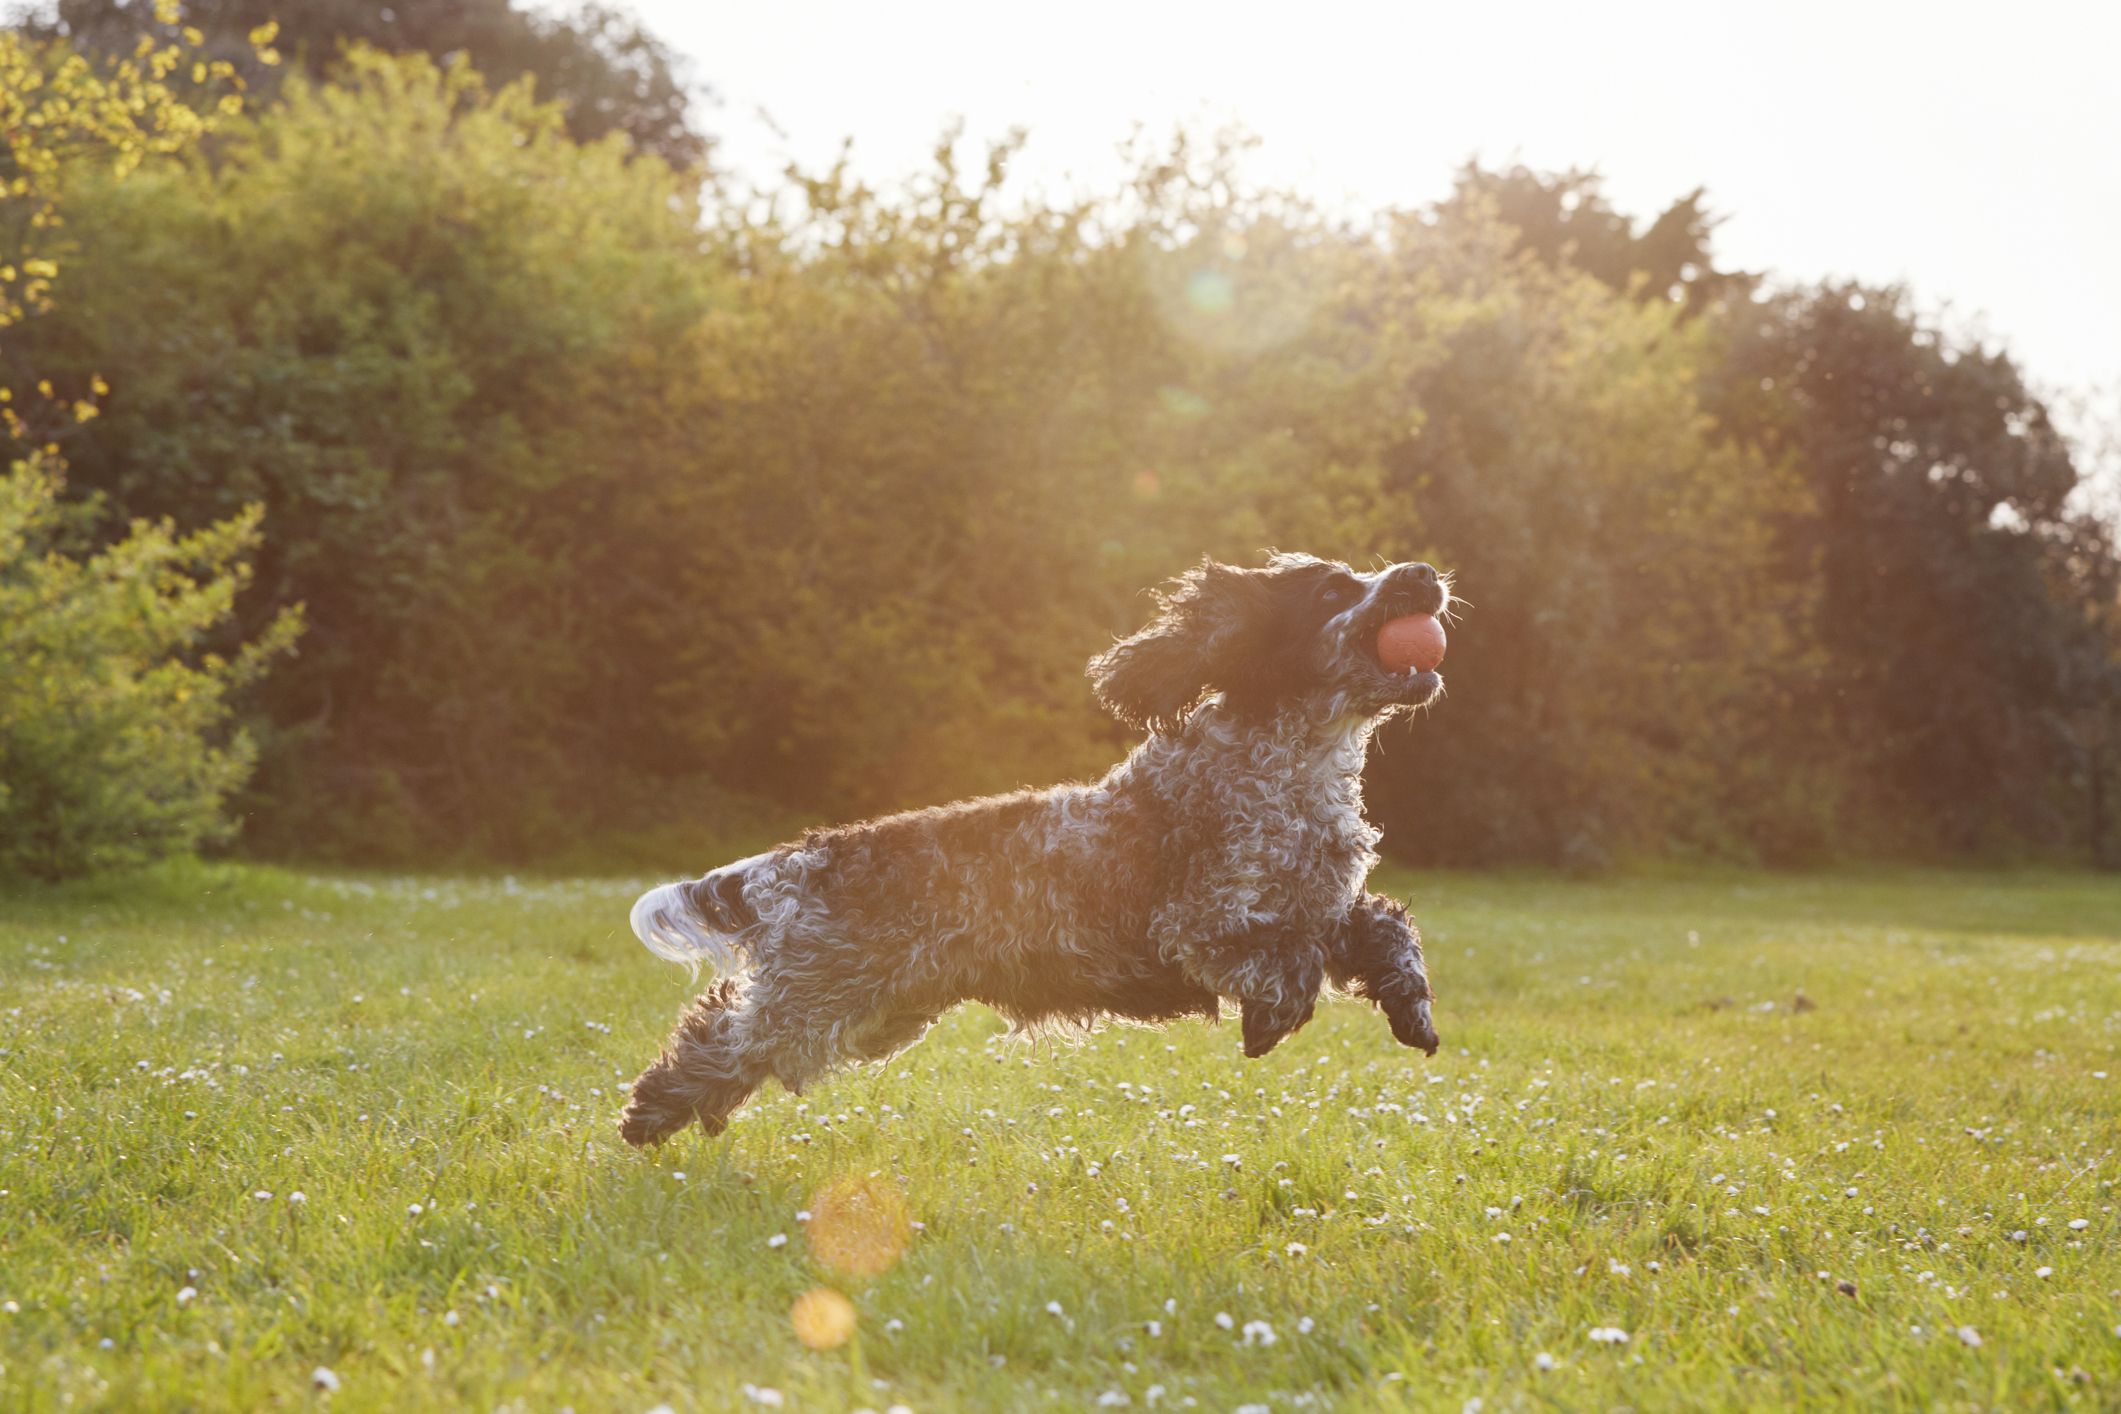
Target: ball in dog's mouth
{"points": [[1413, 643]]}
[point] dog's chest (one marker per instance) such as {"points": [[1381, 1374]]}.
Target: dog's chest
{"points": [[1339, 844], [1290, 811]]}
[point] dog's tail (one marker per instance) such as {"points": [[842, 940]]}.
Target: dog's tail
{"points": [[700, 920]]}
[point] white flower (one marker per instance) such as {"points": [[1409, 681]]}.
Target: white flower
{"points": [[1544, 1361], [779, 1239], [1260, 1332], [187, 1293], [763, 1394], [1609, 1335], [1053, 1308], [413, 1210], [298, 1196], [1618, 1269], [451, 1318], [2079, 1224], [1113, 1399], [322, 1378], [1969, 1336], [1296, 1249], [1305, 1326], [1222, 1318], [261, 1195], [1232, 1160], [1155, 1328], [1255, 1409]]}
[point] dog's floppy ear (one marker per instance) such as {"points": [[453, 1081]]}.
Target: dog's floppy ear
{"points": [[1152, 680]]}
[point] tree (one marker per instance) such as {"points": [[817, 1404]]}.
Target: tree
{"points": [[1564, 219], [456, 355], [610, 72], [1962, 662], [115, 739], [1967, 603], [1625, 644]]}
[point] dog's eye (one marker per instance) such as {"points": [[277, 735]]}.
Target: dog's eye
{"points": [[1340, 592]]}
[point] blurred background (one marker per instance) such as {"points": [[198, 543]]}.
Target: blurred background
{"points": [[481, 432]]}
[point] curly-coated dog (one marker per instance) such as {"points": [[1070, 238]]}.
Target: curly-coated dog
{"points": [[1224, 858]]}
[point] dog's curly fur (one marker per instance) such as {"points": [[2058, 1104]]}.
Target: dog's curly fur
{"points": [[1224, 858]]}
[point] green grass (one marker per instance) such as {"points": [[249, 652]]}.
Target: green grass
{"points": [[1634, 1125]]}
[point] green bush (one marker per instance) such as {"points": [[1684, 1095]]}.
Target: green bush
{"points": [[455, 356], [114, 740], [599, 485]]}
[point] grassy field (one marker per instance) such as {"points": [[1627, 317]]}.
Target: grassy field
{"points": [[254, 1123]]}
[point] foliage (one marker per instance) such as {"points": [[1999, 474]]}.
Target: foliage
{"points": [[401, 1141], [114, 746], [1563, 219], [1628, 638], [1972, 605], [493, 332], [1961, 682], [61, 114], [612, 509], [611, 74]]}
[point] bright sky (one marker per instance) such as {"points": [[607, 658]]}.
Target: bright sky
{"points": [[1971, 150]]}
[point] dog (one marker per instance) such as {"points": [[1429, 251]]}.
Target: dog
{"points": [[1225, 858]]}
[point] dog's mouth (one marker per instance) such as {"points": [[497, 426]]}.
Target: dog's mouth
{"points": [[1378, 635], [1411, 684]]}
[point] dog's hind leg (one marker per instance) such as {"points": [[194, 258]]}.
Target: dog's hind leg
{"points": [[887, 1033], [705, 1073], [729, 1043], [1376, 955]]}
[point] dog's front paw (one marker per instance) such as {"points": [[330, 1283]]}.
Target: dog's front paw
{"points": [[1265, 1026], [644, 1125], [1404, 997], [1412, 1024]]}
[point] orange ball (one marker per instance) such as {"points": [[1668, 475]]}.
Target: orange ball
{"points": [[1415, 641]]}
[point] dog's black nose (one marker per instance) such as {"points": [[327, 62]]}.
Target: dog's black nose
{"points": [[1416, 586], [1419, 581]]}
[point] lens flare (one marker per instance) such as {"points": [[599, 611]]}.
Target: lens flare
{"points": [[859, 1227], [1182, 402], [1211, 292], [823, 1319]]}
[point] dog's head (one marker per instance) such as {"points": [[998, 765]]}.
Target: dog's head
{"points": [[1299, 633]]}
